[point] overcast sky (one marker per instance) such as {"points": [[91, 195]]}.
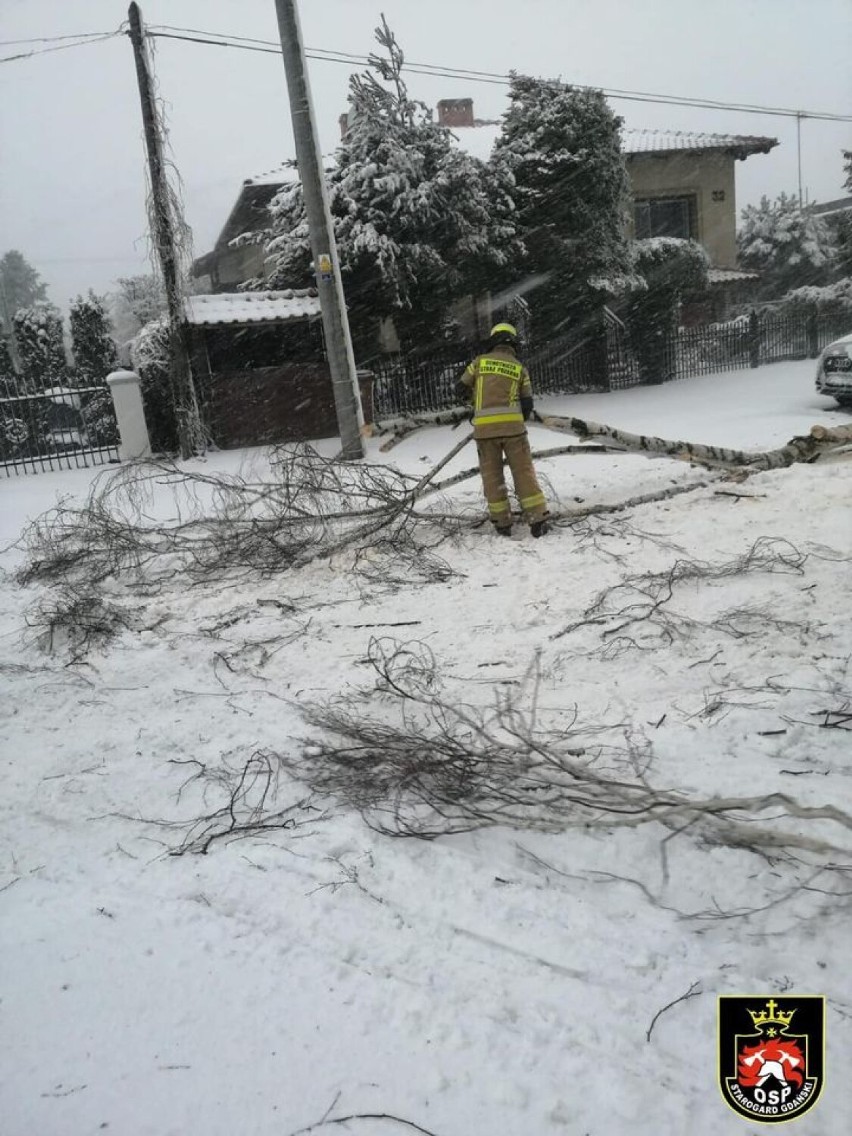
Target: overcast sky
{"points": [[71, 157]]}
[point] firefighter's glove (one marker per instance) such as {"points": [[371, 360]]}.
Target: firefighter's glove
{"points": [[526, 407]]}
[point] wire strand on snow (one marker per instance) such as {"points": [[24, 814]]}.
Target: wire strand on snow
{"points": [[328, 1123]]}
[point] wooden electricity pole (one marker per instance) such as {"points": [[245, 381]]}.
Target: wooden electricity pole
{"points": [[341, 359], [183, 390]]}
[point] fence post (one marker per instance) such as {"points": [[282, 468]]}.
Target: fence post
{"points": [[126, 390], [812, 326], [599, 355], [754, 339]]}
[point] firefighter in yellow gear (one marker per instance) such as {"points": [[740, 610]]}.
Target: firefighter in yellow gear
{"points": [[499, 387]]}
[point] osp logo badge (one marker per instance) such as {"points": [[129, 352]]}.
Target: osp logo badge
{"points": [[771, 1056]]}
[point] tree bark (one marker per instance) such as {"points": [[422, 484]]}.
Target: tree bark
{"points": [[801, 449]]}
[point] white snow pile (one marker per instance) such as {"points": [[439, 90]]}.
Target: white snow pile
{"points": [[466, 852]]}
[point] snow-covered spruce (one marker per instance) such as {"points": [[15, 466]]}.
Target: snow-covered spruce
{"points": [[787, 244], [417, 221]]}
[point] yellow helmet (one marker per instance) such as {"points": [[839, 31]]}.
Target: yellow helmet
{"points": [[504, 333]]}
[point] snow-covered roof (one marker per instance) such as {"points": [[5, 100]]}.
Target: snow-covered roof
{"points": [[252, 307], [280, 175], [729, 275], [675, 141], [479, 141], [839, 205]]}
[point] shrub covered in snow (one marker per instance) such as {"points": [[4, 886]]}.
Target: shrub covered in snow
{"points": [[38, 334], [91, 340], [94, 357], [151, 358], [7, 370], [832, 299], [671, 268], [137, 300], [788, 245]]}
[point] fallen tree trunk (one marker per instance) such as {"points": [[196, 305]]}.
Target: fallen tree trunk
{"points": [[806, 448], [400, 428]]}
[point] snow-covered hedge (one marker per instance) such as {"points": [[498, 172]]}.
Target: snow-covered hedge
{"points": [[671, 268], [832, 299], [151, 357]]}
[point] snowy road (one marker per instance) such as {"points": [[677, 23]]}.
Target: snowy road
{"points": [[498, 983]]}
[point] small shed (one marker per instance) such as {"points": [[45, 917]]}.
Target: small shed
{"points": [[261, 369]]}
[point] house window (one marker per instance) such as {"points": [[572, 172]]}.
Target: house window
{"points": [[666, 217]]}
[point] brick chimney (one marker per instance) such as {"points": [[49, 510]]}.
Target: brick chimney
{"points": [[455, 112]]}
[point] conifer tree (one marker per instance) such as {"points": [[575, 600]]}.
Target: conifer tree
{"points": [[562, 148], [842, 225], [790, 246], [20, 284], [415, 221], [38, 333], [92, 344], [94, 357], [671, 269]]}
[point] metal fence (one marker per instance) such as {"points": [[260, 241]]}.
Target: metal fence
{"points": [[55, 427], [415, 385]]}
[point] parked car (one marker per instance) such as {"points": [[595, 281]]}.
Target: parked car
{"points": [[834, 371]]}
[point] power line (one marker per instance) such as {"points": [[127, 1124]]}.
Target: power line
{"points": [[245, 43], [326, 55], [95, 37], [51, 39]]}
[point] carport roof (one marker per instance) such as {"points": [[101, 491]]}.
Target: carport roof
{"points": [[222, 308]]}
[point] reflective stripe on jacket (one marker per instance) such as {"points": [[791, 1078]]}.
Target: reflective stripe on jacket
{"points": [[497, 382]]}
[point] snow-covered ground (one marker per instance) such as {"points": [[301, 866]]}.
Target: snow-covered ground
{"points": [[499, 983]]}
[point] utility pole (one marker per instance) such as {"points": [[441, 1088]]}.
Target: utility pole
{"points": [[183, 390], [341, 358]]}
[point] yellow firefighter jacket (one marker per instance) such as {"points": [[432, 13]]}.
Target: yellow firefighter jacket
{"points": [[497, 382]]}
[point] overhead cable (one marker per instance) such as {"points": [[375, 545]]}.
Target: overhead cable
{"points": [[51, 39], [85, 42], [245, 43], [326, 55]]}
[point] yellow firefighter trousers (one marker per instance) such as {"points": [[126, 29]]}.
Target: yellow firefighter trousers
{"points": [[527, 489]]}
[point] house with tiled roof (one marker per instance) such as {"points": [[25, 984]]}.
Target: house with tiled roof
{"points": [[683, 185], [226, 266]]}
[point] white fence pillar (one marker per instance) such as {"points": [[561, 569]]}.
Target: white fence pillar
{"points": [[126, 391]]}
